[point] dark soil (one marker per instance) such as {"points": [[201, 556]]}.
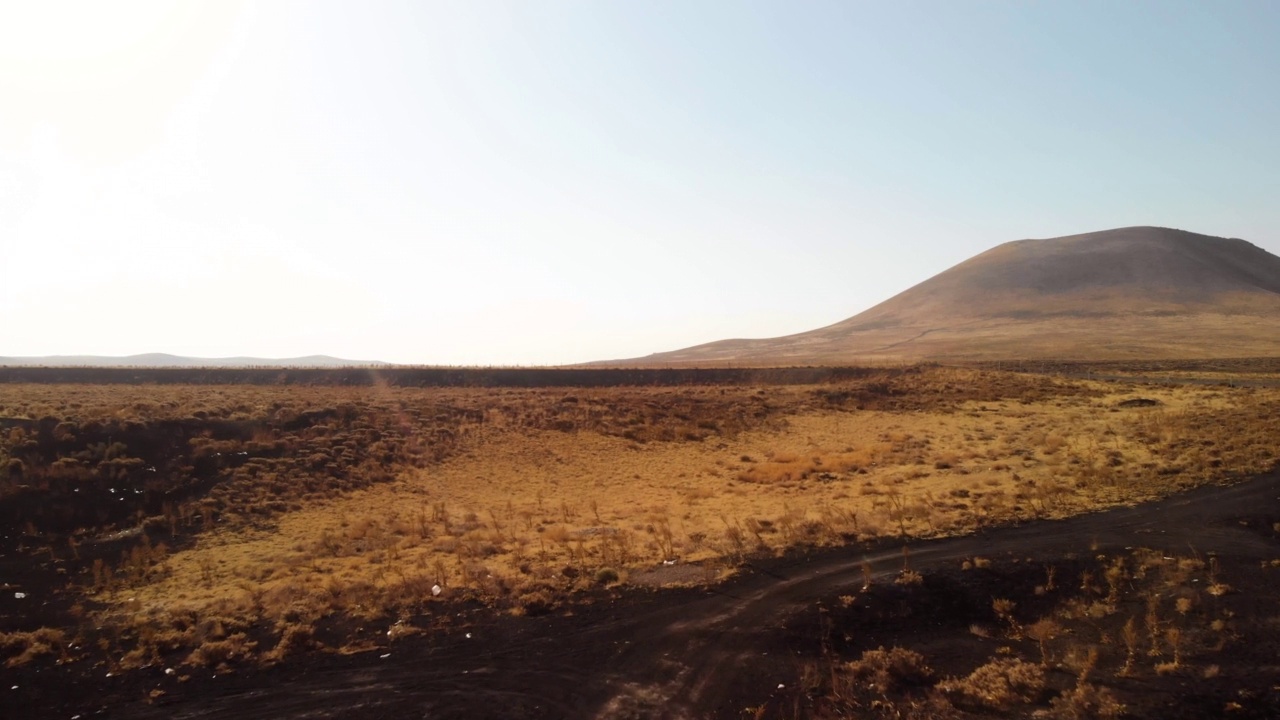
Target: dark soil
{"points": [[715, 652]]}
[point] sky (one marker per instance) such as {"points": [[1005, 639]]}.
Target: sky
{"points": [[520, 183]]}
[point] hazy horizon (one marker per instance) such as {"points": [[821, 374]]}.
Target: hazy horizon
{"points": [[489, 183]]}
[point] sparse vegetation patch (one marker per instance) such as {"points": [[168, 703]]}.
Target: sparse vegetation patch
{"points": [[231, 527]]}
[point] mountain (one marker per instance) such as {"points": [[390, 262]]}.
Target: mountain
{"points": [[164, 360], [1129, 293]]}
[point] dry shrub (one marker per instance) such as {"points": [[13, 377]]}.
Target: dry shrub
{"points": [[998, 685], [1086, 702], [237, 647], [23, 647], [536, 599], [294, 638], [891, 669], [909, 578]]}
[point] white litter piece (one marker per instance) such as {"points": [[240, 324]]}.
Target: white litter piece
{"points": [[468, 636], [436, 590], [384, 657], [168, 671], [781, 686], [19, 595]]}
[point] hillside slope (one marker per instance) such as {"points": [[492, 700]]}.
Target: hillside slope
{"points": [[1139, 292]]}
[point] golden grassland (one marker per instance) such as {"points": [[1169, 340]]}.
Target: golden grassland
{"points": [[299, 509]]}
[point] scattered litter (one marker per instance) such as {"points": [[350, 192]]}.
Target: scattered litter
{"points": [[468, 636], [669, 562], [19, 595], [436, 590], [108, 674], [168, 671], [781, 686], [15, 687], [384, 657]]}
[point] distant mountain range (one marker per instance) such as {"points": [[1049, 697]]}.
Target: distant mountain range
{"points": [[152, 360], [1129, 293]]}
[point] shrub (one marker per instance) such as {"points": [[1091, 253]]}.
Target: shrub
{"points": [[294, 638], [1086, 702], [997, 685], [23, 647], [891, 669], [538, 601], [216, 652]]}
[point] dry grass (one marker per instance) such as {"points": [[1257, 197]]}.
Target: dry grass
{"points": [[23, 647], [517, 496], [1108, 634]]}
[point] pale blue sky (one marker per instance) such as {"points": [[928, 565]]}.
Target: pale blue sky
{"points": [[550, 182]]}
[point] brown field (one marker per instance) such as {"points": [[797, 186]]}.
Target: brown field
{"points": [[232, 527]]}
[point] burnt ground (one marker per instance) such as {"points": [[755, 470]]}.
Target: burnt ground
{"points": [[746, 643]]}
